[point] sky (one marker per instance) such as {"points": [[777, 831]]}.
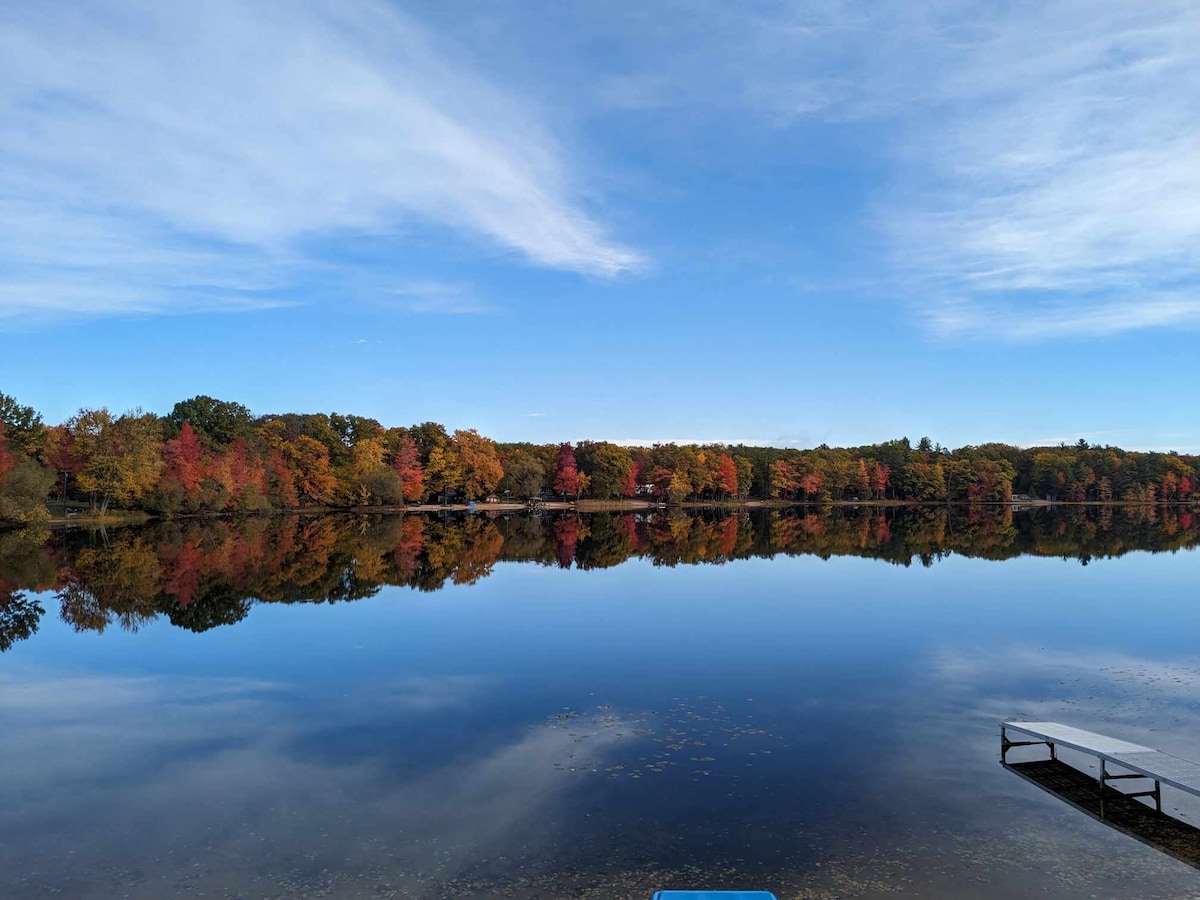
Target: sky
{"points": [[790, 223]]}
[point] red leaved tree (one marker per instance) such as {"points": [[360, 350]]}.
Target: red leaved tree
{"points": [[727, 480], [409, 468], [630, 484], [281, 483], [184, 461], [566, 472]]}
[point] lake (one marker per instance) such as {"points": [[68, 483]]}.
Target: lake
{"points": [[596, 706]]}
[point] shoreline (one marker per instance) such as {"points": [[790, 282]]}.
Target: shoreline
{"points": [[138, 517]]}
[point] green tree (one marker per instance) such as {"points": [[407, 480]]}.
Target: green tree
{"points": [[428, 435], [23, 492], [22, 426], [352, 429], [607, 465], [217, 422], [524, 473]]}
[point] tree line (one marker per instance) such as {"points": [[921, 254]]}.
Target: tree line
{"points": [[205, 572], [209, 455]]}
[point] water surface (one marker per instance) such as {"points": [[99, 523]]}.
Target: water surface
{"points": [[585, 706]]}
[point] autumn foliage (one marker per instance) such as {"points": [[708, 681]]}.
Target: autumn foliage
{"points": [[8, 461], [566, 472], [214, 456], [409, 469]]}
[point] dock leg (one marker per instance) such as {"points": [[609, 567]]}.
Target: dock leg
{"points": [[1053, 752], [1158, 795], [1003, 744], [1103, 780]]}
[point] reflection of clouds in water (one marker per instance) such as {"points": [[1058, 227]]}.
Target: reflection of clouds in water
{"points": [[65, 728], [73, 728], [429, 692], [45, 694], [1150, 701], [172, 786], [200, 776], [958, 700], [942, 818]]}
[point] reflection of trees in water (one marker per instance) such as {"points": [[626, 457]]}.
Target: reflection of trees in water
{"points": [[223, 605], [567, 532], [19, 616], [209, 572], [113, 582], [27, 562]]}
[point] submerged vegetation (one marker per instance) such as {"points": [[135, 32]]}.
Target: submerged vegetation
{"points": [[202, 573], [214, 456]]}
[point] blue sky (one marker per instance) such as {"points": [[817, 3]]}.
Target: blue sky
{"points": [[782, 222]]}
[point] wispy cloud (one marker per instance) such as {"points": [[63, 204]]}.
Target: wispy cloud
{"points": [[447, 298], [1040, 173], [1038, 170], [532, 415], [1044, 159], [162, 157], [1049, 183], [978, 316]]}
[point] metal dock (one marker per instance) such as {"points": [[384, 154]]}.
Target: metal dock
{"points": [[1138, 761]]}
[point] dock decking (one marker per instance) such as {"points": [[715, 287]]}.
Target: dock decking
{"points": [[1139, 761]]}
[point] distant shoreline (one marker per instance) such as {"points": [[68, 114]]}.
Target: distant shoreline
{"points": [[136, 517]]}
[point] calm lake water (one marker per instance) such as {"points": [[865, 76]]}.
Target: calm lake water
{"points": [[589, 707]]}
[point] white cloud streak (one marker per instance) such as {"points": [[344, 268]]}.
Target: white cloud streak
{"points": [[166, 157], [1035, 165], [446, 298], [978, 316], [1041, 178], [1048, 175]]}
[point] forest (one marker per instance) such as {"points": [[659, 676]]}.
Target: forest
{"points": [[216, 456]]}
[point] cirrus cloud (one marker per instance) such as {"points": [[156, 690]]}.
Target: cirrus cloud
{"points": [[170, 157]]}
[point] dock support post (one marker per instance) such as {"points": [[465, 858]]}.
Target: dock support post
{"points": [[1103, 782], [1006, 745], [1158, 795]]}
